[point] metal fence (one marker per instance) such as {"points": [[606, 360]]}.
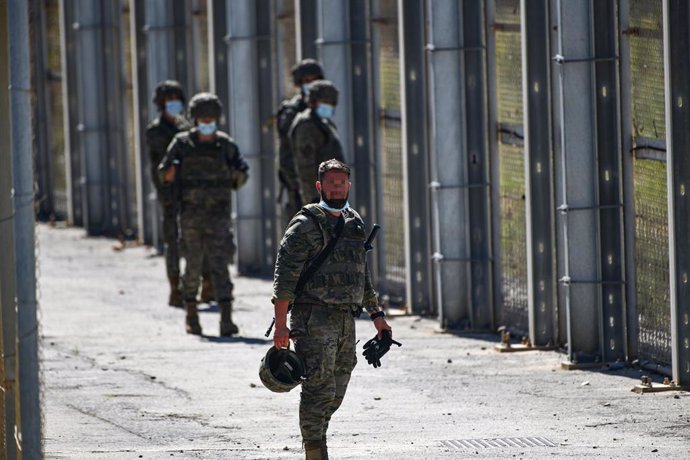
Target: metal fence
{"points": [[650, 181], [513, 252], [389, 147]]}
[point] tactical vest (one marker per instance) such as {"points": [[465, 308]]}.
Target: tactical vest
{"points": [[341, 278], [205, 174]]}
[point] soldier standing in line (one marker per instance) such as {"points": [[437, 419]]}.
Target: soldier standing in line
{"points": [[303, 73], [322, 319], [206, 165], [169, 99], [314, 137]]}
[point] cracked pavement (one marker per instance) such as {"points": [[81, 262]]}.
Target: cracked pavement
{"points": [[122, 380]]}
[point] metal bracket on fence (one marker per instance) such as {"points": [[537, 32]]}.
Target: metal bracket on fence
{"points": [[435, 186], [566, 281], [228, 39], [322, 42], [7, 385], [433, 48], [506, 345], [564, 208], [647, 386], [560, 59]]}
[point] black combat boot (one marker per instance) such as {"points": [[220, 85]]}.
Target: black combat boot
{"points": [[313, 450], [193, 326], [227, 327], [175, 299], [207, 289]]}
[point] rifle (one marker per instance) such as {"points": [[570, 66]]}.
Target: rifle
{"points": [[314, 266]]}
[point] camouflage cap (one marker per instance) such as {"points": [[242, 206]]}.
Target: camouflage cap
{"points": [[323, 90], [333, 165], [205, 105], [167, 88], [306, 67]]}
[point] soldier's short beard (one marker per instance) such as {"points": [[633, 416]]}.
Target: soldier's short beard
{"points": [[335, 203]]}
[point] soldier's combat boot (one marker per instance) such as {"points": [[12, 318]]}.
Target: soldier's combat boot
{"points": [[175, 299], [313, 450], [192, 321], [207, 289], [227, 327]]}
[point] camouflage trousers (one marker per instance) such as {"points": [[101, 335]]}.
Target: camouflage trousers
{"points": [[170, 237], [326, 344], [207, 240]]}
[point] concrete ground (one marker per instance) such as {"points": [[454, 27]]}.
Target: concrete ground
{"points": [[122, 380]]}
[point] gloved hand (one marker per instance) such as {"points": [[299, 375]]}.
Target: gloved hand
{"points": [[375, 348]]}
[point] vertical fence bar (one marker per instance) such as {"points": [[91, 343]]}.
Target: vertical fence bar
{"points": [[539, 170], [626, 139], [41, 109], [7, 249], [266, 174], [363, 156], [610, 178], [677, 67], [73, 160], [414, 145], [448, 170], [307, 30], [24, 231], [333, 45], [243, 115]]}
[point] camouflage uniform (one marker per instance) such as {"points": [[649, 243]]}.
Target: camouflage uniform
{"points": [[159, 133], [206, 174], [322, 317], [287, 173], [313, 141]]}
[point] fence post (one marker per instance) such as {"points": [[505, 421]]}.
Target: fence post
{"points": [[677, 68]]}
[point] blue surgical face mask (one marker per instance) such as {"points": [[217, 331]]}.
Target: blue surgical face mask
{"points": [[174, 108], [207, 128], [334, 207], [305, 89], [325, 110]]}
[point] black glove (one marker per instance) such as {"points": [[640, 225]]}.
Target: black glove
{"points": [[375, 348]]}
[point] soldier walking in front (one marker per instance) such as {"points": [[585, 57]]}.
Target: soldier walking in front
{"points": [[206, 165], [322, 317]]}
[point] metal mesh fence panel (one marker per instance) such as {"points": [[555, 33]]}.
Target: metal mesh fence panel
{"points": [[391, 179], [513, 251], [287, 47], [651, 260], [651, 212]]}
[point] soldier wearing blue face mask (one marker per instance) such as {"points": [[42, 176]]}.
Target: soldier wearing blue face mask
{"points": [[303, 73], [169, 98], [314, 137], [206, 165]]}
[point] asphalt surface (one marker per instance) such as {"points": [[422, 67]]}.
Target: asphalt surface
{"points": [[122, 380]]}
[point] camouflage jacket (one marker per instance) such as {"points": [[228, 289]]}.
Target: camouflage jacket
{"points": [[286, 114], [313, 140], [343, 280], [206, 172], [159, 133]]}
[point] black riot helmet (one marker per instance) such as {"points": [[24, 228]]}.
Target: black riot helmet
{"points": [[205, 105], [306, 67], [323, 90], [167, 88], [281, 370]]}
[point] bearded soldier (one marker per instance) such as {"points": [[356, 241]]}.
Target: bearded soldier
{"points": [[303, 73], [206, 165], [322, 318], [314, 137]]}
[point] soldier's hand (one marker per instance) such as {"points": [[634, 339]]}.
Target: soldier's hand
{"points": [[281, 337], [381, 325]]}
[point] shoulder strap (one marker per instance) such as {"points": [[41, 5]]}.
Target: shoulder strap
{"points": [[322, 256]]}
